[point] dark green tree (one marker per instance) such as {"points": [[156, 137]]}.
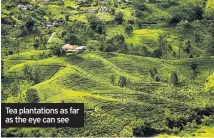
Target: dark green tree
{"points": [[112, 11], [72, 39], [119, 17], [37, 75], [193, 66], [157, 77], [32, 96], [30, 23], [144, 131], [15, 88], [67, 18], [174, 78], [129, 29], [122, 81], [188, 48], [157, 53], [36, 44], [58, 51], [116, 44], [27, 70], [96, 24]]}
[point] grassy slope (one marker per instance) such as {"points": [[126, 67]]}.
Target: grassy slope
{"points": [[203, 131], [210, 81], [85, 78], [139, 37]]}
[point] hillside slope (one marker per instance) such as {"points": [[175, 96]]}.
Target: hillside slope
{"points": [[86, 78]]}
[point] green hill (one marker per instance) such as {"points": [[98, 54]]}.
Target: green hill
{"points": [[146, 68]]}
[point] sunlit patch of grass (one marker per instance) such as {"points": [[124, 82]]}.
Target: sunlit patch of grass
{"points": [[104, 16], [69, 3], [31, 55], [139, 37], [80, 17], [115, 30], [210, 81], [127, 13], [205, 131]]}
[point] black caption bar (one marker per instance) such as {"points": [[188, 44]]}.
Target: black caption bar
{"points": [[42, 115]]}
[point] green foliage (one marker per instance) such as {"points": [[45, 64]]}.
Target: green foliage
{"points": [[209, 48], [37, 75], [157, 77], [174, 78], [187, 49], [157, 53], [72, 39], [181, 12], [58, 51], [15, 88], [125, 69], [152, 72], [139, 7], [129, 29], [112, 79], [32, 96], [36, 43], [32, 75], [2, 69], [193, 66], [119, 17], [122, 81], [76, 32], [96, 24], [93, 45], [116, 43], [209, 10], [27, 70], [144, 131]]}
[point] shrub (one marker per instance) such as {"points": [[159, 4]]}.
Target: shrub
{"points": [[112, 79], [32, 96], [58, 51], [122, 81], [206, 120], [144, 131], [129, 29], [119, 18], [174, 78], [157, 77], [157, 53], [93, 45], [193, 66], [32, 75], [96, 24]]}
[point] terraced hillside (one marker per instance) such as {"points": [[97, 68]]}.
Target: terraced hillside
{"points": [[141, 67], [86, 78]]}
